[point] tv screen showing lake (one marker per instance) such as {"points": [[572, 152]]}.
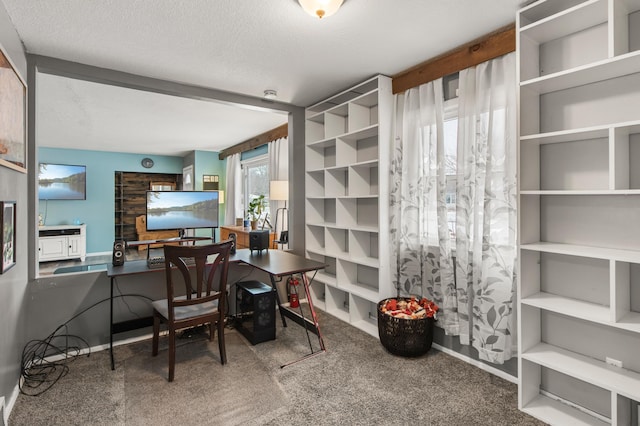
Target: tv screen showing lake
{"points": [[181, 210], [60, 191], [61, 182], [181, 220]]}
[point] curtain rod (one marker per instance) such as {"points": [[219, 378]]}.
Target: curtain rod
{"points": [[485, 48], [256, 141]]}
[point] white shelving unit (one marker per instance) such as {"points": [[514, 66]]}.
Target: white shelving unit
{"points": [[348, 139], [579, 204]]}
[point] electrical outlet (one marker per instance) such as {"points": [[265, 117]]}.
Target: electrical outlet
{"points": [[614, 362]]}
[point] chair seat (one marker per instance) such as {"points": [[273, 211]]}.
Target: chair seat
{"points": [[185, 312], [199, 272]]}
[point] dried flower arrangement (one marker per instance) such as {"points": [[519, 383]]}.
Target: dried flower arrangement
{"points": [[410, 309]]}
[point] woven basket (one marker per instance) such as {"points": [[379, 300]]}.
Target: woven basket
{"points": [[405, 337]]}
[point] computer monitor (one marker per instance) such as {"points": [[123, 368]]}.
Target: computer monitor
{"points": [[168, 210]]}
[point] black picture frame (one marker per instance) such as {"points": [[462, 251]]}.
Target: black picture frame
{"points": [[7, 235]]}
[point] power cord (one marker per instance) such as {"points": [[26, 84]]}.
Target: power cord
{"points": [[39, 374], [125, 301], [233, 284]]}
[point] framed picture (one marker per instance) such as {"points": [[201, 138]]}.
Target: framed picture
{"points": [[8, 233], [13, 103]]}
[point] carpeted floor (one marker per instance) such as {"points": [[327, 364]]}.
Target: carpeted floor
{"points": [[356, 382]]}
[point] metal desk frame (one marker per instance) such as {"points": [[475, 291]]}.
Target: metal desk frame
{"points": [[275, 263]]}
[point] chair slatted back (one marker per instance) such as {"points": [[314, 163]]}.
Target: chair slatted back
{"points": [[210, 261]]}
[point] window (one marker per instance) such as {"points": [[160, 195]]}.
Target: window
{"points": [[450, 159], [432, 214], [255, 176]]}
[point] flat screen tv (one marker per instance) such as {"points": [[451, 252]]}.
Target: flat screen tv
{"points": [[62, 182], [182, 210]]}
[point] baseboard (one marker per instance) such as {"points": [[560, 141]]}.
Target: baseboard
{"points": [[481, 365], [103, 347], [6, 405], [3, 419]]}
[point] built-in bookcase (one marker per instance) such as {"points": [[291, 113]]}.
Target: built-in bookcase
{"points": [[579, 211], [348, 139]]}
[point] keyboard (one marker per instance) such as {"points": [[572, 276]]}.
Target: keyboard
{"points": [[158, 261], [155, 262]]}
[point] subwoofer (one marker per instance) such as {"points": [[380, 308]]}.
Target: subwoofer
{"points": [[259, 240], [234, 238], [118, 253]]}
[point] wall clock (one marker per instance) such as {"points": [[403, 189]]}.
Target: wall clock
{"points": [[147, 163]]}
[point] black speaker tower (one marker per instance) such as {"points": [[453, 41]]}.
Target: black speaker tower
{"points": [[234, 238], [118, 253]]}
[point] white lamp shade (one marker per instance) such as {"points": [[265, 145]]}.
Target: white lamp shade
{"points": [[320, 8], [279, 190], [221, 197]]}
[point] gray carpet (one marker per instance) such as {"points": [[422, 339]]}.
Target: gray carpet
{"points": [[356, 382]]}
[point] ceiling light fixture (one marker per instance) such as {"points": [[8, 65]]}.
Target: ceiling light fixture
{"points": [[320, 8], [270, 94]]}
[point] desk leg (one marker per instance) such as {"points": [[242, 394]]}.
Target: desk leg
{"points": [[275, 287], [307, 293], [113, 364]]}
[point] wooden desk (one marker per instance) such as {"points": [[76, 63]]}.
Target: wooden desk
{"points": [[242, 236], [275, 263]]}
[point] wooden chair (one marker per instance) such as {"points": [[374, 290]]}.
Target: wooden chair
{"points": [[188, 303]]}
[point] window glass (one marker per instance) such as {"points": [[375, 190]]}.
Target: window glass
{"points": [[450, 160], [256, 180]]}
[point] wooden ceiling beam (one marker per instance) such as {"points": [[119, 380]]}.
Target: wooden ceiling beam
{"points": [[256, 141], [490, 46]]}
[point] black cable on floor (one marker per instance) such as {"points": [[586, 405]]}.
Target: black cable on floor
{"points": [[233, 284], [38, 373]]}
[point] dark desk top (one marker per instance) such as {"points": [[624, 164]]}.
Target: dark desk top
{"points": [[274, 262], [277, 262], [131, 267]]}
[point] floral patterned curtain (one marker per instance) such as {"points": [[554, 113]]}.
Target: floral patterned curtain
{"points": [[477, 303], [486, 208], [421, 243]]}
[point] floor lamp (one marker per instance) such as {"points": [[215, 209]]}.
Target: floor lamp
{"points": [[279, 191]]}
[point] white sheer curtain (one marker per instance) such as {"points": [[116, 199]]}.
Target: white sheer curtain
{"points": [[486, 208], [421, 243], [478, 305], [233, 195], [278, 151]]}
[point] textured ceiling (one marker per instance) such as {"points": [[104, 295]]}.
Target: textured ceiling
{"points": [[166, 122], [242, 46]]}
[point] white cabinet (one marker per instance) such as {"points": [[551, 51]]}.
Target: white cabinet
{"points": [[579, 198], [348, 139], [62, 242]]}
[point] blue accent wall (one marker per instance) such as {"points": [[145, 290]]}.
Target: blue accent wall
{"points": [[97, 211], [208, 163]]}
